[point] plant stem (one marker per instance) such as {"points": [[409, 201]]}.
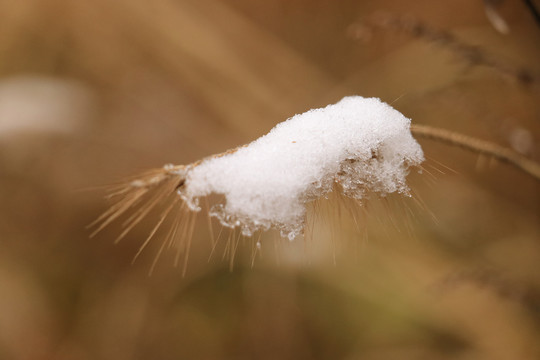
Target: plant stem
{"points": [[478, 146]]}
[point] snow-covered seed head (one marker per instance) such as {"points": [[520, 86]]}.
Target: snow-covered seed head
{"points": [[356, 146], [362, 144]]}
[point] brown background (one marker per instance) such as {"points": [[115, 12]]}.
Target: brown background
{"points": [[109, 88]]}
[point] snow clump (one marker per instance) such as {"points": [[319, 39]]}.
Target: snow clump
{"points": [[360, 144]]}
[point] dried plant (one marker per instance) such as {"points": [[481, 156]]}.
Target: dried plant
{"points": [[479, 146], [260, 194], [472, 55]]}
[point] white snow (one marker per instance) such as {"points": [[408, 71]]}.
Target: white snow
{"points": [[362, 144]]}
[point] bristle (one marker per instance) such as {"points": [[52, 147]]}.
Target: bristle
{"points": [[216, 243], [236, 242], [170, 235], [143, 211], [116, 211], [183, 242], [430, 160], [155, 229], [210, 228], [188, 239], [422, 205], [256, 248]]}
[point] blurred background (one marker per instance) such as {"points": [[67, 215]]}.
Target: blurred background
{"points": [[94, 91]]}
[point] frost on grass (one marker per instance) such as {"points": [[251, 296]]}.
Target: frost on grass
{"points": [[360, 144]]}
